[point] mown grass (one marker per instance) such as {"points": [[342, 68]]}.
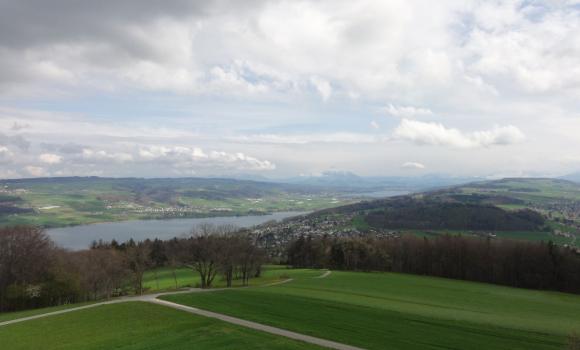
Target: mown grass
{"points": [[136, 326], [7, 316], [397, 311], [162, 279]]}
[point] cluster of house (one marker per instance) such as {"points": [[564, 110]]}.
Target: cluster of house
{"points": [[275, 236]]}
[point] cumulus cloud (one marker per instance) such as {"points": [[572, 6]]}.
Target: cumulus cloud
{"points": [[322, 86], [406, 111], [374, 48], [192, 157], [256, 66], [36, 171], [412, 165], [426, 133], [50, 158], [5, 154]]}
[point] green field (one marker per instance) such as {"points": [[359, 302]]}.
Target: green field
{"points": [[396, 311], [7, 316], [57, 202], [532, 190], [162, 279], [133, 326], [534, 236]]}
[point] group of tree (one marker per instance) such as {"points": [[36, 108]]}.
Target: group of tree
{"points": [[535, 265], [34, 272], [437, 214]]}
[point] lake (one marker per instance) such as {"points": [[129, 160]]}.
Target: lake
{"points": [[80, 237]]}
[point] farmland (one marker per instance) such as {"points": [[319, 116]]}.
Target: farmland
{"points": [[57, 202]]}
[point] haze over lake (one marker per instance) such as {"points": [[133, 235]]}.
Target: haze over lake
{"points": [[80, 237]]}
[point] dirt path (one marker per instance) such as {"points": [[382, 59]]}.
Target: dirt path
{"points": [[257, 326], [153, 298], [324, 275]]}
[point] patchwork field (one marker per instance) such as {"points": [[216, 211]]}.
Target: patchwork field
{"points": [[373, 310], [136, 326], [57, 202]]}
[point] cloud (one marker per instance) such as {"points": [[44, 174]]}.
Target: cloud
{"points": [[19, 126], [16, 141], [375, 125], [5, 154], [195, 157], [50, 158], [304, 139], [383, 50], [36, 171], [406, 111], [302, 72], [412, 165], [424, 133], [322, 86]]}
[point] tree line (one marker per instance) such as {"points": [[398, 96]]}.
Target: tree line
{"points": [[435, 214], [34, 272], [535, 265]]}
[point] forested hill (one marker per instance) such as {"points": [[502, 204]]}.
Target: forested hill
{"points": [[418, 214], [513, 204]]}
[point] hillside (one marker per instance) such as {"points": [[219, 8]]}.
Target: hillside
{"points": [[54, 202], [429, 214], [524, 209], [368, 310], [371, 310]]}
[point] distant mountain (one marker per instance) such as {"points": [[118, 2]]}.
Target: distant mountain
{"points": [[349, 181], [497, 205], [572, 177]]}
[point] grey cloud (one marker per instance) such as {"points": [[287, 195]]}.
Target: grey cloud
{"points": [[27, 23], [68, 148], [98, 34], [16, 141]]}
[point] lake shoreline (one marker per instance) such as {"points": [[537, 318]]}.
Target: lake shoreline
{"points": [[81, 236]]}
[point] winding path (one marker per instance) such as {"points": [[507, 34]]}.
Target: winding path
{"points": [[153, 298], [324, 275]]}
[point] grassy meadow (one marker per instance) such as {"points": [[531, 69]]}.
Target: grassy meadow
{"points": [[163, 279], [535, 236], [136, 326], [396, 311]]}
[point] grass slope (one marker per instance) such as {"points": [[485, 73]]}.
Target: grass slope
{"points": [[162, 279], [7, 316], [377, 311], [136, 326]]}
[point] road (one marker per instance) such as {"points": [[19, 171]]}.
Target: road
{"points": [[154, 298]]}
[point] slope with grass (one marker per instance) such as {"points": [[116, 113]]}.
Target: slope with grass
{"points": [[163, 279], [136, 326], [373, 310]]}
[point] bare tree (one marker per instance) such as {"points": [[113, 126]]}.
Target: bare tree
{"points": [[138, 261], [574, 341], [25, 254]]}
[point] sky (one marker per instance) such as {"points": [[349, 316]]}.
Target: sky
{"points": [[170, 88]]}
